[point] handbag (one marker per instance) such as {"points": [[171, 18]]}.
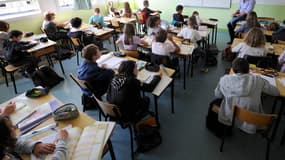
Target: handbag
{"points": [[66, 112]]}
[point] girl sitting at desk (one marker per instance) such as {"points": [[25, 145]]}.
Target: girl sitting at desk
{"points": [[124, 91], [253, 45], [11, 147], [153, 25], [127, 11], [251, 21]]}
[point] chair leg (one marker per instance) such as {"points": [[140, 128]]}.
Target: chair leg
{"points": [[100, 115], [132, 142], [77, 56], [5, 76], [14, 83], [111, 150], [283, 138], [223, 140], [267, 150], [61, 66]]}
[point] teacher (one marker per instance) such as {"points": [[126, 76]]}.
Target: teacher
{"points": [[245, 7]]}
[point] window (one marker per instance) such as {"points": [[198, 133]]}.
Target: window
{"points": [[65, 3], [16, 8]]}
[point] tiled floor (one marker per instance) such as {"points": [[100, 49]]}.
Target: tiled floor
{"points": [[184, 134]]}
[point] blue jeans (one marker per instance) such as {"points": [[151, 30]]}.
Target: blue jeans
{"points": [[232, 25]]}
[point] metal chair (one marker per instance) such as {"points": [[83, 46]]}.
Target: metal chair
{"points": [[131, 53], [257, 119], [77, 46]]}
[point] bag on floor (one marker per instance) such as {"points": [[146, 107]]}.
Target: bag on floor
{"points": [[88, 103], [211, 60], [148, 137], [63, 54], [212, 122], [46, 77], [227, 54]]}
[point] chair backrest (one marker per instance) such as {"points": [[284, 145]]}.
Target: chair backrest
{"points": [[131, 53], [108, 109], [182, 40], [260, 61], [281, 42], [76, 42], [257, 119], [115, 23], [80, 83]]}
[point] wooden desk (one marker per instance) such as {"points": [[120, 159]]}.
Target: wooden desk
{"points": [[278, 48], [211, 24], [161, 86], [82, 121], [185, 53], [122, 20], [175, 30]]}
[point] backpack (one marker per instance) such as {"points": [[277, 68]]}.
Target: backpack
{"points": [[211, 60], [148, 137], [212, 122], [46, 77], [227, 54]]}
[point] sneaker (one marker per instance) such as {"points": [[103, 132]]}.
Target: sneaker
{"points": [[205, 70]]}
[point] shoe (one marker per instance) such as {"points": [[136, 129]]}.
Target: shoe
{"points": [[205, 70]]}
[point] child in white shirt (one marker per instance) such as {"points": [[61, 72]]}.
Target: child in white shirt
{"points": [[190, 33]]}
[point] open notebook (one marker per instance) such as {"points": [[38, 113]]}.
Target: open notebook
{"points": [[111, 61], [87, 143]]}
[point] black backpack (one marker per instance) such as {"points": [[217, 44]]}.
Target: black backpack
{"points": [[46, 77], [148, 137]]}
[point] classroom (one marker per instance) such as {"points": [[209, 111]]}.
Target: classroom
{"points": [[142, 79]]}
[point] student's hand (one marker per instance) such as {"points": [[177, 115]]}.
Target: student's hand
{"points": [[43, 148], [63, 134], [170, 37], [105, 66], [9, 109], [116, 71]]}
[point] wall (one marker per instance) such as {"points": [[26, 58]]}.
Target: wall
{"points": [[33, 23]]}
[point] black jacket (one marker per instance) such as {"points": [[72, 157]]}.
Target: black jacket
{"points": [[125, 93], [16, 51]]}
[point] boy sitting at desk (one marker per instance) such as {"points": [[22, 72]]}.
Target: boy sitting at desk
{"points": [[98, 77], [97, 19], [16, 54], [243, 89], [178, 18], [76, 32]]}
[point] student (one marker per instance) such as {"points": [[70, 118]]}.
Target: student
{"points": [[242, 89], [112, 10], [162, 49], [129, 39], [153, 25], [4, 36], [98, 77], [146, 9], [190, 33], [16, 54], [253, 45], [251, 21], [52, 28], [281, 60], [196, 15], [127, 11], [11, 147], [8, 109], [178, 18], [278, 35], [76, 32], [124, 91], [97, 19]]}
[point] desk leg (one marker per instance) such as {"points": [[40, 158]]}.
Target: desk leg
{"points": [[192, 66], [172, 96], [61, 66], [213, 34], [278, 119], [156, 110], [184, 73], [111, 150], [216, 33]]}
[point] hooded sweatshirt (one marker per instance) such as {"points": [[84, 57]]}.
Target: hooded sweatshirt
{"points": [[245, 91], [3, 37]]}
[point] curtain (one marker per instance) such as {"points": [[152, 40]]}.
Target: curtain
{"points": [[82, 4]]}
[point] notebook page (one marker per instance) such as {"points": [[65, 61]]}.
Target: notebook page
{"points": [[164, 82], [21, 113], [91, 142]]}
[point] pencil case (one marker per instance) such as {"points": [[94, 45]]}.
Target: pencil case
{"points": [[66, 112]]}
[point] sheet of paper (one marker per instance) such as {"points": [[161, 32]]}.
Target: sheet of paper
{"points": [[162, 85], [186, 49], [111, 61], [21, 113], [110, 129]]}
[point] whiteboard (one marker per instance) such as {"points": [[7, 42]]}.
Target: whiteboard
{"points": [[207, 3]]}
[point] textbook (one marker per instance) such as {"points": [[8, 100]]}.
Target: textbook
{"points": [[84, 143]]}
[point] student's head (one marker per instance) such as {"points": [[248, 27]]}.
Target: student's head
{"points": [[4, 26], [161, 36], [91, 53], [129, 32], [96, 10], [76, 22], [49, 16], [195, 13], [251, 19], [192, 22], [127, 6], [7, 134], [255, 37], [111, 4], [179, 9], [240, 66], [145, 3], [15, 35], [128, 68], [153, 21]]}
